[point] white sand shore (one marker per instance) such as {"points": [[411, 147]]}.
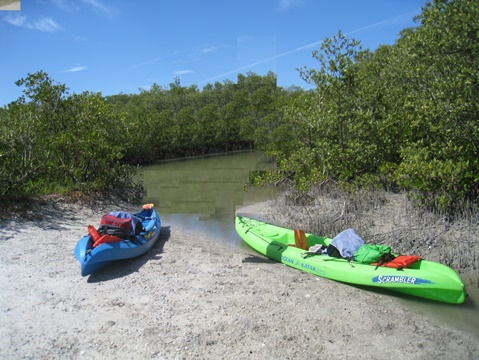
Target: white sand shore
{"points": [[191, 298]]}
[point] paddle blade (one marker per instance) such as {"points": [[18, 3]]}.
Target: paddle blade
{"points": [[300, 239]]}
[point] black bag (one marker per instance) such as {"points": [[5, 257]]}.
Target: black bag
{"points": [[112, 225], [333, 251]]}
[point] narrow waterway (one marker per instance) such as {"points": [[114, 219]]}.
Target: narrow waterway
{"points": [[203, 194]]}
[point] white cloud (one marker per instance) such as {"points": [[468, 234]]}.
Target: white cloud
{"points": [[75, 69], [182, 72], [99, 6], [62, 4], [45, 24], [394, 20], [74, 5], [286, 4], [209, 49], [192, 55], [148, 62], [16, 20]]}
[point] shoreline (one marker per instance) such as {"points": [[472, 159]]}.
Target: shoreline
{"points": [[191, 297]]}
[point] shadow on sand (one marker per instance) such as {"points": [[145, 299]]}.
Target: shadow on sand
{"points": [[258, 260]]}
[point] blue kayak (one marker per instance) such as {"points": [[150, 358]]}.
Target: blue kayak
{"points": [[94, 258]]}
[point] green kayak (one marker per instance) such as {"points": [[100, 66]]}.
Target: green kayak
{"points": [[425, 279]]}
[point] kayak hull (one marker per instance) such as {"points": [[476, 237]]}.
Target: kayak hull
{"points": [[425, 279], [92, 258]]}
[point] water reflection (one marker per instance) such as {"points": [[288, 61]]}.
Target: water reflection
{"points": [[462, 317], [202, 194]]}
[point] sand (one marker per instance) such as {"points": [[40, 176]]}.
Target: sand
{"points": [[191, 298]]}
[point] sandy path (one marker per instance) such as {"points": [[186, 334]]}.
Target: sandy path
{"points": [[191, 298]]}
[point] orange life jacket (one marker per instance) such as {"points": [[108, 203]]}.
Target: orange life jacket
{"points": [[99, 239], [401, 261]]}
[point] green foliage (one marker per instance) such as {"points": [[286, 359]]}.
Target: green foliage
{"points": [[405, 115], [52, 141], [56, 141], [439, 152]]}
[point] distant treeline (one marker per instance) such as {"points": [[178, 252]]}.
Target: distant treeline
{"points": [[402, 116]]}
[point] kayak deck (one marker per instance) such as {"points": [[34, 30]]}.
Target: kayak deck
{"points": [[92, 258], [426, 279]]}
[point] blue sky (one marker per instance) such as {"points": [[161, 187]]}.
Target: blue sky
{"points": [[114, 46]]}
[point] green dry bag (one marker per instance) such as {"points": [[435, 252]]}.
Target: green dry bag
{"points": [[371, 253]]}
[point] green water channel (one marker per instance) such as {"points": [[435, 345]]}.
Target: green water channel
{"points": [[203, 195]]}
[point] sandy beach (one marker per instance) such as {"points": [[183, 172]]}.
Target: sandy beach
{"points": [[191, 298]]}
